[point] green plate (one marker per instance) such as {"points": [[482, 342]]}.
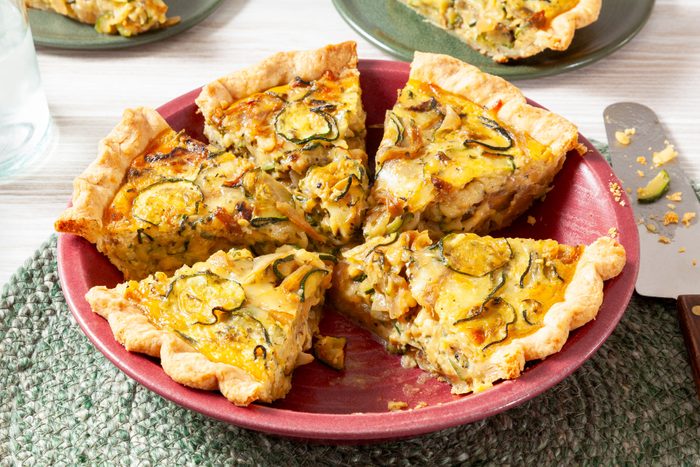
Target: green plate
{"points": [[53, 30], [397, 29]]}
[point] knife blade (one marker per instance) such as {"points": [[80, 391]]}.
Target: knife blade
{"points": [[669, 252]]}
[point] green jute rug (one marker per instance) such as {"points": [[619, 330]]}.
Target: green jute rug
{"points": [[63, 403]]}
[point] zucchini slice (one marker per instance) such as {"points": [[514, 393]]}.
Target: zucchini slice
{"points": [[281, 274], [203, 295], [311, 279], [474, 256], [655, 189], [493, 136], [532, 311], [394, 129], [264, 221], [492, 325], [167, 199], [299, 124]]}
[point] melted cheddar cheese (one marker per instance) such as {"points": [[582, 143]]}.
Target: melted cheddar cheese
{"points": [[452, 304], [252, 313], [179, 203], [308, 135], [447, 164]]}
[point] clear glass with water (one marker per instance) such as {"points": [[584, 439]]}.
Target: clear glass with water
{"points": [[25, 123]]}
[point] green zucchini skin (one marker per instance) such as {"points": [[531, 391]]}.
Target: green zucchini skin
{"points": [[264, 221], [331, 134], [493, 125], [302, 284]]}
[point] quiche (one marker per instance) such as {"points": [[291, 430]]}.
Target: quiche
{"points": [[473, 309], [156, 199], [462, 150], [510, 29], [124, 17], [298, 116], [234, 323]]}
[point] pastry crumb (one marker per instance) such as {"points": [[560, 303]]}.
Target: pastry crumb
{"points": [[640, 173], [671, 206], [616, 191], [695, 262], [642, 160], [670, 218], [623, 137], [677, 197], [531, 220], [420, 405], [681, 249], [612, 232], [395, 406], [688, 218], [663, 239], [667, 154], [651, 227]]}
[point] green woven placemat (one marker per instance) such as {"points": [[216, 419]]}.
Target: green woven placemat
{"points": [[63, 403]]}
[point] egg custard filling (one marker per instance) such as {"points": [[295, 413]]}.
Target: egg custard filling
{"points": [[307, 131], [124, 17], [179, 202], [473, 309], [234, 322], [510, 29], [461, 159]]}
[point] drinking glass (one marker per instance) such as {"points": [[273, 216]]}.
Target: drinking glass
{"points": [[25, 123]]}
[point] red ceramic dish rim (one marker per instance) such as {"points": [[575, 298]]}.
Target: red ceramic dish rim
{"points": [[362, 427]]}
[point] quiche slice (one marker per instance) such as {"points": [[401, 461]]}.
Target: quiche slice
{"points": [[156, 199], [124, 17], [298, 116], [462, 151], [234, 323], [510, 29], [470, 309]]}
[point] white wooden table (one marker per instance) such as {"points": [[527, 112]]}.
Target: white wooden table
{"points": [[87, 91]]}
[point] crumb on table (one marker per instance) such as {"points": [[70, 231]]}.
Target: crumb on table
{"points": [[676, 197], [642, 160], [688, 218], [663, 239], [670, 218]]}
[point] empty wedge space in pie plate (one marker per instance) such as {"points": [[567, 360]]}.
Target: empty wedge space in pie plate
{"points": [[351, 406]]}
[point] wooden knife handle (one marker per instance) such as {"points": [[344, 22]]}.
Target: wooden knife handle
{"points": [[689, 317]]}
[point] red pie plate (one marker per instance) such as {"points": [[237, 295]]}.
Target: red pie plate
{"points": [[351, 406]]}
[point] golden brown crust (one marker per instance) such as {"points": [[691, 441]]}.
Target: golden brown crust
{"points": [[179, 360], [561, 32], [94, 189], [276, 70]]}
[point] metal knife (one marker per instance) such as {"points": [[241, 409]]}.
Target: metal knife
{"points": [[669, 265]]}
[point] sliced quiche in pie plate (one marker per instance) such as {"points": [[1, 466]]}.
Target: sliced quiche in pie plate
{"points": [[473, 309], [462, 151], [234, 323], [299, 117], [156, 199]]}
